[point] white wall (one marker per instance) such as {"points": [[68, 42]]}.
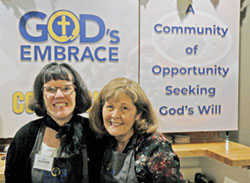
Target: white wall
{"points": [[220, 172], [214, 170], [189, 167]]}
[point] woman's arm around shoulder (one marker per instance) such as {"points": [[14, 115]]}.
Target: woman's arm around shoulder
{"points": [[19, 151], [156, 161]]}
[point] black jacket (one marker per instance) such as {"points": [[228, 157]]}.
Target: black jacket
{"points": [[18, 168]]}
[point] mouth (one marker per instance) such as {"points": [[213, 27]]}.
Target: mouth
{"points": [[115, 123], [60, 104]]}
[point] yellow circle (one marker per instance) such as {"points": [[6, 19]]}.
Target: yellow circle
{"points": [[55, 172], [63, 38]]}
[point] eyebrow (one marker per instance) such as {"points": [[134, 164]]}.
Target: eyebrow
{"points": [[120, 104], [66, 84]]}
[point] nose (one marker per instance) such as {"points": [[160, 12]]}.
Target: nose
{"points": [[116, 113], [59, 93]]}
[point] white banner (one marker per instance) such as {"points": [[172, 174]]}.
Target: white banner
{"points": [[188, 55], [99, 38], [189, 63]]}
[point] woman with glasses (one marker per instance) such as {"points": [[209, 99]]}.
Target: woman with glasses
{"points": [[59, 146], [137, 153]]}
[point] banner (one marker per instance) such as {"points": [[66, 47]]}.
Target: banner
{"points": [[189, 54], [97, 37], [184, 54]]}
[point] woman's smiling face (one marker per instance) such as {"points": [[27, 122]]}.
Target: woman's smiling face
{"points": [[60, 102], [119, 116]]}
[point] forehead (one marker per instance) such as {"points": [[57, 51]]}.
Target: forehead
{"points": [[121, 98], [57, 82]]}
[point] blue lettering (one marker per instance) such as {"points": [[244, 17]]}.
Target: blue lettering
{"points": [[96, 53], [190, 9], [87, 54], [113, 53], [155, 28], [39, 28], [168, 90], [72, 50], [116, 39], [166, 29], [204, 109], [38, 52], [163, 110], [156, 69], [59, 53], [24, 52], [99, 21]]}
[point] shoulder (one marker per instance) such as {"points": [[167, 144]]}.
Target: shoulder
{"points": [[155, 146], [156, 160], [25, 136], [23, 142], [153, 141], [29, 129]]}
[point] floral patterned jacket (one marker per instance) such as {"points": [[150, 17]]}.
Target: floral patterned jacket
{"points": [[155, 160]]}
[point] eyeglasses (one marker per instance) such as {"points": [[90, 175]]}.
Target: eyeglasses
{"points": [[66, 89]]}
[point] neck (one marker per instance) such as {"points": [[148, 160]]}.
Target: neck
{"points": [[62, 121], [50, 138], [123, 141]]}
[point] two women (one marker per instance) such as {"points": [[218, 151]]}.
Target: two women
{"points": [[60, 146]]}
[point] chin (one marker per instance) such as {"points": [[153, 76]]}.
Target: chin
{"points": [[114, 134]]}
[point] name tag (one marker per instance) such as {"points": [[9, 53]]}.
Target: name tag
{"points": [[43, 162]]}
